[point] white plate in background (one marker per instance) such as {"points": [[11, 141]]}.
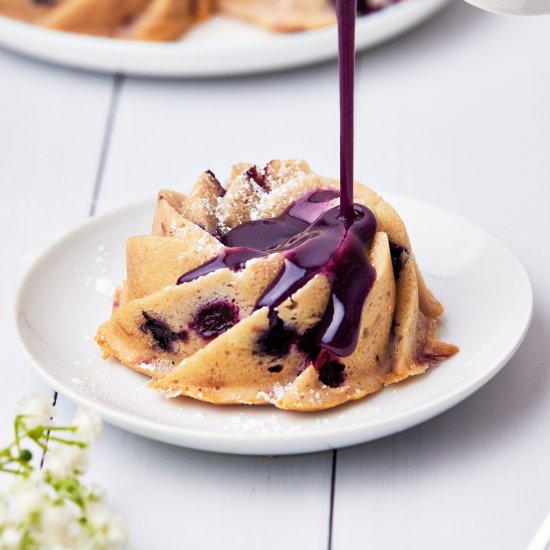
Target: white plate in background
{"points": [[65, 296], [218, 47]]}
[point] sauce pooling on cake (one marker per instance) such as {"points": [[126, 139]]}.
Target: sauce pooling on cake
{"points": [[332, 245]]}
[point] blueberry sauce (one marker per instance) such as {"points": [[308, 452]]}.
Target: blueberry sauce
{"points": [[335, 247], [161, 332], [261, 237], [266, 235], [215, 318], [232, 258], [332, 245]]}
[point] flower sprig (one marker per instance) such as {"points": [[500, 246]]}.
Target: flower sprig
{"points": [[47, 505]]}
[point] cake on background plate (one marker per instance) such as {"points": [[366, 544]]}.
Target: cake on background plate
{"points": [[165, 20]]}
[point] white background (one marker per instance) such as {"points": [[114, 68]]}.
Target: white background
{"points": [[457, 113]]}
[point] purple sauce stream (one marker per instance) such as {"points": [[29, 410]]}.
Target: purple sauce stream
{"points": [[331, 245], [346, 11]]}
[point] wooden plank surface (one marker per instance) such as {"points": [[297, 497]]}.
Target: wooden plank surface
{"points": [[455, 113], [51, 130]]}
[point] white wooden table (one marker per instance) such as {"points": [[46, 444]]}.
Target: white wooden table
{"points": [[457, 113]]}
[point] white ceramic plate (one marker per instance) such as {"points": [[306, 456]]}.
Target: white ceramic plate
{"points": [[218, 47], [66, 295]]}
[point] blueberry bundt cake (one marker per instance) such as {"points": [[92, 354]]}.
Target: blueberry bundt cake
{"points": [[170, 19], [259, 292]]}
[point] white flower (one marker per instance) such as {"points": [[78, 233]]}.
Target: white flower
{"points": [[88, 425], [65, 461], [98, 515], [10, 539], [50, 509], [36, 409], [24, 503], [3, 511], [31, 482], [117, 535], [110, 530], [97, 492], [58, 525]]}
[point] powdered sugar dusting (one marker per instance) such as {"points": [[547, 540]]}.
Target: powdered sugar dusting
{"points": [[269, 425], [148, 367], [102, 257], [170, 393], [246, 200], [278, 173], [221, 217], [105, 286], [275, 394]]}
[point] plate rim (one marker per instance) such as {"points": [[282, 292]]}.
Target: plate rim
{"points": [[78, 50], [274, 443]]}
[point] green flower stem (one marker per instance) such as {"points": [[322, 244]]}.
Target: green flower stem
{"points": [[80, 444], [16, 426], [12, 457], [43, 446], [23, 466], [6, 451], [10, 471]]}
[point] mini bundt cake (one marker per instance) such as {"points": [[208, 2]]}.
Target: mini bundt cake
{"points": [[259, 292], [165, 20]]}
